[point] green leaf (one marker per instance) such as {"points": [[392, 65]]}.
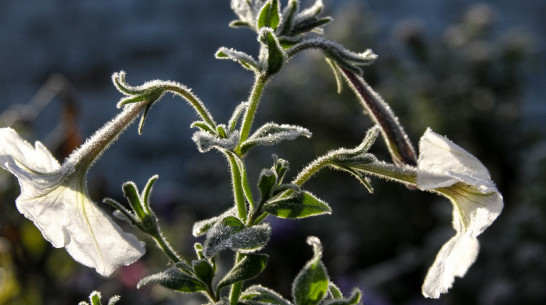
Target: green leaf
{"points": [[311, 284], [266, 183], [334, 291], [288, 15], [259, 295], [231, 233], [273, 133], [281, 166], [246, 269], [206, 141], [269, 15], [308, 25], [300, 205], [203, 270], [130, 192], [242, 58], [174, 279], [201, 227], [239, 110], [352, 300], [273, 56]]}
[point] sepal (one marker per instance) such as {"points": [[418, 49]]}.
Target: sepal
{"points": [[272, 55], [95, 299], [269, 15]]}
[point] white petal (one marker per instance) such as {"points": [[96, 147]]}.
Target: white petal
{"points": [[454, 259], [95, 240], [443, 163], [18, 153], [473, 210]]}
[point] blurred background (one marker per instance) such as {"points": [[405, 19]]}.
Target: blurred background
{"points": [[474, 71]]}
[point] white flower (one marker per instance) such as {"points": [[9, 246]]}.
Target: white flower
{"points": [[446, 168], [55, 197]]}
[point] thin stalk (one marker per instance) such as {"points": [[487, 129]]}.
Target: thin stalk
{"points": [[166, 247], [403, 174], [253, 101], [395, 137], [196, 103], [238, 192], [236, 288]]}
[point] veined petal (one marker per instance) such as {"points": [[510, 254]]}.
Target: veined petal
{"points": [[19, 153], [443, 163], [94, 239], [454, 259], [445, 168], [58, 204]]}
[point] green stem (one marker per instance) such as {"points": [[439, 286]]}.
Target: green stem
{"points": [[253, 101], [166, 247], [238, 191], [403, 174], [196, 103], [236, 288]]}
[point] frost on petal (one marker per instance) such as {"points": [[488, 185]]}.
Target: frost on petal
{"points": [[443, 163], [454, 259]]}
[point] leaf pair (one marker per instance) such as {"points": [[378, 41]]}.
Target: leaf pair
{"points": [[311, 286]]}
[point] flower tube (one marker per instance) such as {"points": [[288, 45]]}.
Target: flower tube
{"points": [[446, 168], [55, 197]]}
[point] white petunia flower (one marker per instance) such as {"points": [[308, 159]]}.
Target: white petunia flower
{"points": [[56, 199], [446, 168]]}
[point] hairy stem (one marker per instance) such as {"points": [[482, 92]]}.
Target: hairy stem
{"points": [[195, 103], [253, 101], [395, 137], [238, 192]]}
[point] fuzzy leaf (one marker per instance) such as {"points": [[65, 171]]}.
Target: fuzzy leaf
{"points": [[203, 270], [242, 58], [352, 300], [266, 183], [288, 15], [300, 205], [174, 279], [239, 110], [269, 15], [246, 269], [311, 284], [201, 227], [231, 233], [272, 133], [273, 56], [206, 141], [259, 295]]}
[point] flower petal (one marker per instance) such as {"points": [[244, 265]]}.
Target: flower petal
{"points": [[443, 163], [15, 152], [454, 259], [94, 239]]}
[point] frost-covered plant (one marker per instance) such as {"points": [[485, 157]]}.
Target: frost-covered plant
{"points": [[55, 198]]}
